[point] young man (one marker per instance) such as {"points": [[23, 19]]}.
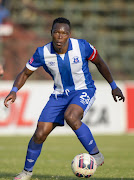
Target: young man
{"points": [[66, 60], [1, 70]]}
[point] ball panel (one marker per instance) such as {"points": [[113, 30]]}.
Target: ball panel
{"points": [[84, 165]]}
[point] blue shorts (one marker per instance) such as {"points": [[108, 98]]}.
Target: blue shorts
{"points": [[57, 105]]}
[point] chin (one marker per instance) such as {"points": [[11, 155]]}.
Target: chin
{"points": [[59, 48]]}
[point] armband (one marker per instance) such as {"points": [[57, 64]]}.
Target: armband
{"points": [[113, 85], [15, 89]]}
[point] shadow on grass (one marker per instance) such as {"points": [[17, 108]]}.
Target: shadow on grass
{"points": [[47, 177], [9, 176]]}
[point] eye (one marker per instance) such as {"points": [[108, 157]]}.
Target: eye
{"points": [[55, 32], [65, 33]]}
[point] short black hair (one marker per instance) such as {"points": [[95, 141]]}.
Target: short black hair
{"points": [[61, 20]]}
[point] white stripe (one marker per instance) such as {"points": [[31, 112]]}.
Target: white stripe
{"points": [[94, 50], [90, 104], [53, 69], [94, 54], [78, 78], [30, 67]]}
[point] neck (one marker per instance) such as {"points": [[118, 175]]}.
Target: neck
{"points": [[60, 50]]}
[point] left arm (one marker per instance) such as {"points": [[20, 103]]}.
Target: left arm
{"points": [[105, 72]]}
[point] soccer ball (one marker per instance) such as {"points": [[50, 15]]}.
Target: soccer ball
{"points": [[84, 165]]}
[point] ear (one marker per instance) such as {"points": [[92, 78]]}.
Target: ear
{"points": [[70, 35]]}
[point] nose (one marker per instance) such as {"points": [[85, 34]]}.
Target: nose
{"points": [[60, 36]]}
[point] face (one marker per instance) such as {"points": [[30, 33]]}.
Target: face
{"points": [[60, 37]]}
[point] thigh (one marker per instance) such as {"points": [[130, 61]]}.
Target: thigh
{"points": [[73, 111], [54, 111], [81, 101], [73, 116], [84, 98]]}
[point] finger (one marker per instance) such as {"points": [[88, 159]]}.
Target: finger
{"points": [[115, 98], [120, 98], [7, 102], [123, 98]]}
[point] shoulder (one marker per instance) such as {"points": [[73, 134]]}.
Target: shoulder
{"points": [[81, 41], [86, 44], [40, 50], [42, 47]]}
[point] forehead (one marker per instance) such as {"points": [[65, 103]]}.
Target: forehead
{"points": [[61, 26]]}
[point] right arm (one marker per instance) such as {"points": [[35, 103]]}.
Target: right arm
{"points": [[19, 82]]}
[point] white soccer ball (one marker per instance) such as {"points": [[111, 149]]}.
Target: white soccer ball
{"points": [[84, 165]]}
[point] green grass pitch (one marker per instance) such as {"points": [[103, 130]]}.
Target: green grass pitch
{"points": [[55, 160]]}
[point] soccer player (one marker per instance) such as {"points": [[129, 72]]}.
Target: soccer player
{"points": [[66, 60], [1, 70]]}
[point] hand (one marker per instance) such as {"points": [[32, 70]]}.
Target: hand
{"points": [[117, 92], [10, 98]]}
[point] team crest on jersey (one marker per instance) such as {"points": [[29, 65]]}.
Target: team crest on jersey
{"points": [[76, 60]]}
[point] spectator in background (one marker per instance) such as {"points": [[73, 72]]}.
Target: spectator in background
{"points": [[1, 70], [4, 13]]}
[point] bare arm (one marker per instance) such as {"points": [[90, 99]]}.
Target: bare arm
{"points": [[19, 82], [105, 72]]}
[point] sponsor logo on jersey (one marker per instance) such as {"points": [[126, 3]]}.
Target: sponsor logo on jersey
{"points": [[76, 60], [51, 63]]}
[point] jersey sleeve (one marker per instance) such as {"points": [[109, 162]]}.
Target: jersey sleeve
{"points": [[91, 52], [35, 61]]}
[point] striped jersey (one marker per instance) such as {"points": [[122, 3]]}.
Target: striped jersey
{"points": [[70, 71]]}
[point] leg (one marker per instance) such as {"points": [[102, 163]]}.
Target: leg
{"points": [[34, 148], [36, 142], [73, 116], [42, 131], [50, 117]]}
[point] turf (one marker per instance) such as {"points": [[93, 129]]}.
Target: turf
{"points": [[54, 162]]}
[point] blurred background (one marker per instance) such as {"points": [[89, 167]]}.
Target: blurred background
{"points": [[106, 24]]}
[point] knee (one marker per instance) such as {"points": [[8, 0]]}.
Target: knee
{"points": [[39, 137], [69, 118], [73, 121], [42, 131]]}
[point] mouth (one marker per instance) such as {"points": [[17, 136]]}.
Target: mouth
{"points": [[59, 43]]}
